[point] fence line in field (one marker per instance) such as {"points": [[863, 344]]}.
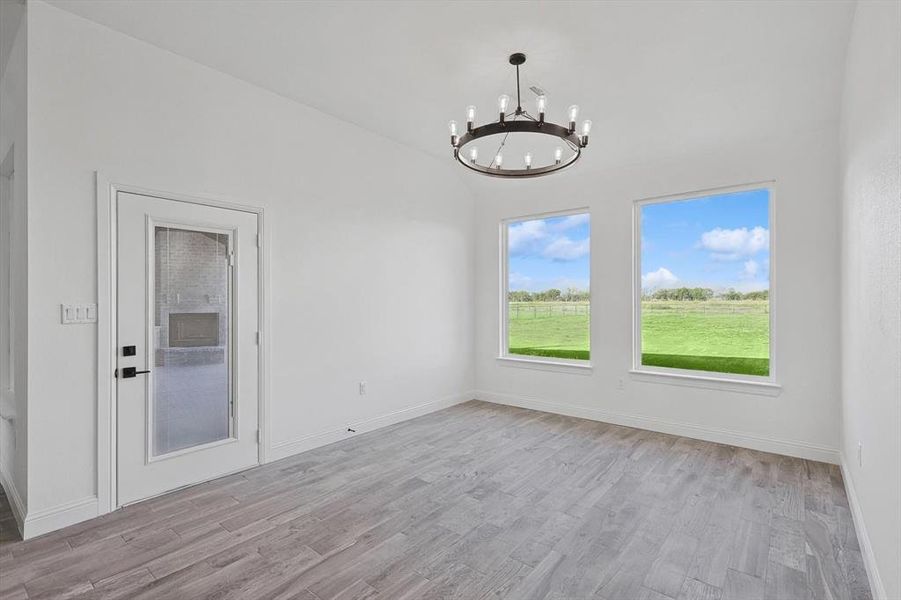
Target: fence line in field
{"points": [[707, 307], [530, 310], [526, 310]]}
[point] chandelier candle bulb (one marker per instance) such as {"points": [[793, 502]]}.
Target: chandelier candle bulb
{"points": [[473, 154], [586, 129], [499, 161], [502, 102], [528, 159], [470, 117], [558, 155], [453, 131], [573, 115], [542, 106]]}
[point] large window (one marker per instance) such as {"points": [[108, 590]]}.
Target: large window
{"points": [[704, 298], [547, 305]]}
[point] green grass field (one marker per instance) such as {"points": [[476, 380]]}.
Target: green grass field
{"points": [[550, 329], [717, 335]]}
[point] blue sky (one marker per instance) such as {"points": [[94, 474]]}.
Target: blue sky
{"points": [[549, 253], [719, 242]]}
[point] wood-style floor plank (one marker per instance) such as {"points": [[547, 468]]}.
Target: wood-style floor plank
{"points": [[477, 501]]}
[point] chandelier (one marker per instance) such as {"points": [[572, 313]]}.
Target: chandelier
{"points": [[519, 121]]}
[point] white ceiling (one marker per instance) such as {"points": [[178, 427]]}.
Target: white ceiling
{"points": [[659, 79]]}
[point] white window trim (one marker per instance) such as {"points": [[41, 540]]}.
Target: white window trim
{"points": [[712, 379], [538, 362]]}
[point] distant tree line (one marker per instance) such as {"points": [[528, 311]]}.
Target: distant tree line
{"points": [[551, 295], [698, 294]]}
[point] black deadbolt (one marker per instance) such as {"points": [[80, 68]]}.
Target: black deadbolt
{"points": [[128, 351]]}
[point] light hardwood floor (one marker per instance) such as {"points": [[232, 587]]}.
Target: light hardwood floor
{"points": [[476, 501]]}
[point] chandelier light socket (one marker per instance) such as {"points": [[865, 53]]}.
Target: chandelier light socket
{"points": [[470, 117]]}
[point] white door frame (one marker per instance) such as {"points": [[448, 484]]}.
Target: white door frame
{"points": [[107, 190]]}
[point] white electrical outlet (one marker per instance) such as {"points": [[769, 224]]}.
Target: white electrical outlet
{"points": [[859, 454], [362, 388]]}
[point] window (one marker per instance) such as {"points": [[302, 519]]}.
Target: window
{"points": [[546, 307], [703, 297]]}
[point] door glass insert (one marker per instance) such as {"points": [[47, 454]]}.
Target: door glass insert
{"points": [[192, 402]]}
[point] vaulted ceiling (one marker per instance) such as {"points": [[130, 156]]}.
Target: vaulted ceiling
{"points": [[657, 78]]}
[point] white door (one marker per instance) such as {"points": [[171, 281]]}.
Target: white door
{"points": [[187, 322]]}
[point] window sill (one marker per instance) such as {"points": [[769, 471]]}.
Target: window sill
{"points": [[744, 386], [560, 366]]}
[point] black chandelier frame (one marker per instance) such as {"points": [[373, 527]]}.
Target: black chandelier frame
{"points": [[518, 121]]}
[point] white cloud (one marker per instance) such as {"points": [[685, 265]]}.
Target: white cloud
{"points": [[518, 281], [538, 238], [750, 269], [734, 244], [522, 236], [572, 221], [662, 277], [564, 248]]}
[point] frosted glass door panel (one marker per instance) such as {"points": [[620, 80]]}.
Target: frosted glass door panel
{"points": [[192, 402]]}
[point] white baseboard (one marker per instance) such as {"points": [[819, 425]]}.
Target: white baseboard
{"points": [[15, 501], [50, 519], [288, 448], [863, 538], [690, 430]]}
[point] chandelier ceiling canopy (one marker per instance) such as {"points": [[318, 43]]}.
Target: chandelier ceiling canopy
{"points": [[520, 124]]}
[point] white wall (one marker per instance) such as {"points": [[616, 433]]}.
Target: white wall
{"points": [[13, 138], [371, 242], [871, 285], [803, 419]]}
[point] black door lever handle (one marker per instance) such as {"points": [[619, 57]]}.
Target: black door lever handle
{"points": [[129, 372]]}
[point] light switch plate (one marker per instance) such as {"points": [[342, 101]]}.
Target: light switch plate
{"points": [[73, 314]]}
